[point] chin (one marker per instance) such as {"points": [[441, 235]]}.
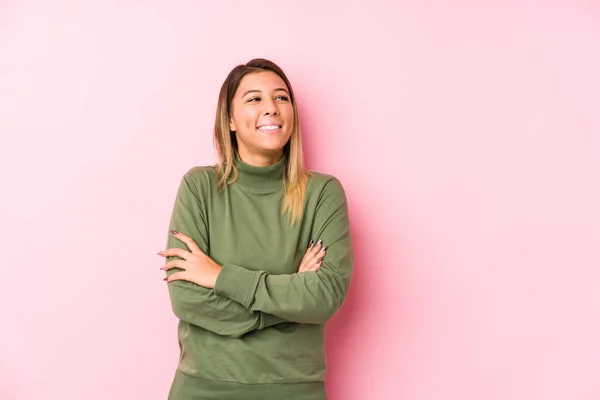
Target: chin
{"points": [[273, 147]]}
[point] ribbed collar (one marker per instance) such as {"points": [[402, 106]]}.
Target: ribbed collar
{"points": [[261, 178]]}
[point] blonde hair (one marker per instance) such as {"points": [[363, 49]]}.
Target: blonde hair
{"points": [[225, 141]]}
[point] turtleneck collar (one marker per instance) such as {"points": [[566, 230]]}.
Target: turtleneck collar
{"points": [[261, 178]]}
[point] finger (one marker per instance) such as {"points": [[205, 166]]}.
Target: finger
{"points": [[175, 252], [317, 247], [177, 276], [319, 261], [312, 265], [311, 256], [315, 267], [308, 251], [188, 241], [312, 245], [304, 266], [173, 264], [313, 249], [316, 253], [322, 251], [307, 254]]}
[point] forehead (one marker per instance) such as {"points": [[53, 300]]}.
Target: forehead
{"points": [[263, 81]]}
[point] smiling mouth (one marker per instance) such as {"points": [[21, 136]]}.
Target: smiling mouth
{"points": [[269, 128]]}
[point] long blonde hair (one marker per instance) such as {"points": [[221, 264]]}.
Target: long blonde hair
{"points": [[225, 141]]}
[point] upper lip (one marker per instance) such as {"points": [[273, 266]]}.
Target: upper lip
{"points": [[269, 123]]}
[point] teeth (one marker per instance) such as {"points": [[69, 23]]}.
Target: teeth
{"points": [[268, 127]]}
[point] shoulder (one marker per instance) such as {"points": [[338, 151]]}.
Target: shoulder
{"points": [[325, 186], [200, 179], [201, 172]]}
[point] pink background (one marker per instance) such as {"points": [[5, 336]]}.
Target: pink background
{"points": [[466, 133]]}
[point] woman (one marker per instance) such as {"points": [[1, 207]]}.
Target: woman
{"points": [[260, 255]]}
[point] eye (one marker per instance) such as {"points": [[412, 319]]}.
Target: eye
{"points": [[253, 99], [284, 98]]}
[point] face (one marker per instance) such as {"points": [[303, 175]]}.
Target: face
{"points": [[262, 117]]}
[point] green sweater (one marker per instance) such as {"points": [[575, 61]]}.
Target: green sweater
{"points": [[260, 332]]}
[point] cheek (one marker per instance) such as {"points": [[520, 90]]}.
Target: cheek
{"points": [[288, 113], [245, 119]]}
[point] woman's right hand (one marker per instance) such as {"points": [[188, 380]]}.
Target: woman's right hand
{"points": [[313, 258]]}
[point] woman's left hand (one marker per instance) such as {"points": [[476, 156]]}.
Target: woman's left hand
{"points": [[197, 267]]}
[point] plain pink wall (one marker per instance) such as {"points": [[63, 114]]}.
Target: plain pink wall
{"points": [[466, 133]]}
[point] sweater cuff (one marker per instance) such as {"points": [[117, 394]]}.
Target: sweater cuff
{"points": [[237, 283]]}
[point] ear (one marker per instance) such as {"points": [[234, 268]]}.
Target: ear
{"points": [[231, 125]]}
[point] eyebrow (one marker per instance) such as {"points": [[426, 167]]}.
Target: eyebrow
{"points": [[258, 91]]}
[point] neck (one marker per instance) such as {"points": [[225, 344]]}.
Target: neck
{"points": [[266, 177], [260, 160]]}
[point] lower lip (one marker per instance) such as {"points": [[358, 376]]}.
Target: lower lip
{"points": [[269, 131]]}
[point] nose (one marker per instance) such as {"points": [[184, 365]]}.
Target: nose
{"points": [[270, 108]]}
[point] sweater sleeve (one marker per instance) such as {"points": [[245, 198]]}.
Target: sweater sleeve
{"points": [[193, 303], [306, 297]]}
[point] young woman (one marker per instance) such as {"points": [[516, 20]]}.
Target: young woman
{"points": [[259, 257]]}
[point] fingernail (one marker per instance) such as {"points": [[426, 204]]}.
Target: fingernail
{"points": [[319, 242], [174, 232], [160, 253], [320, 259], [324, 248], [164, 279], [311, 243]]}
